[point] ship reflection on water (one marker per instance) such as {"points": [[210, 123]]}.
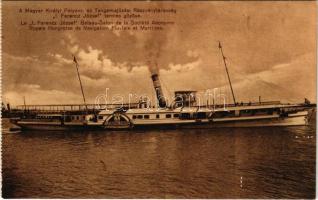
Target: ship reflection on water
{"points": [[219, 163]]}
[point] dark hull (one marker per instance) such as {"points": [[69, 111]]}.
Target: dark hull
{"points": [[41, 127]]}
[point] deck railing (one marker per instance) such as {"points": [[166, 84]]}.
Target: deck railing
{"points": [[73, 107], [95, 107]]}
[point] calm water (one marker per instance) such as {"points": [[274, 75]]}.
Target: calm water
{"points": [[220, 163]]}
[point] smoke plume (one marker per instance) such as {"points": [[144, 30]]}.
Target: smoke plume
{"points": [[154, 45]]}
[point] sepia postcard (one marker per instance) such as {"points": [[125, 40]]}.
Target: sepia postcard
{"points": [[158, 99]]}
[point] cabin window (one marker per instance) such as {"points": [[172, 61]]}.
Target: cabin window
{"points": [[134, 116], [220, 114], [176, 115], [67, 118], [246, 112], [146, 116], [168, 115], [157, 116], [100, 117], [201, 115], [139, 116], [185, 116], [261, 111]]}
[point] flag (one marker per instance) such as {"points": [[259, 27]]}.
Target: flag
{"points": [[74, 59]]}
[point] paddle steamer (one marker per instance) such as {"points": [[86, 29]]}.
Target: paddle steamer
{"points": [[182, 113]]}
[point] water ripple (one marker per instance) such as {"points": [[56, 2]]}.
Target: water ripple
{"points": [[220, 163]]}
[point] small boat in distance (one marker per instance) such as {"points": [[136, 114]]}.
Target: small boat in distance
{"points": [[183, 113]]}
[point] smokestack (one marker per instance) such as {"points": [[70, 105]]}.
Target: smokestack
{"points": [[159, 93]]}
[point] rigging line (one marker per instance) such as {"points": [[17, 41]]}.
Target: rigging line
{"points": [[80, 81], [227, 72], [223, 85]]}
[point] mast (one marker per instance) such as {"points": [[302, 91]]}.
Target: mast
{"points": [[227, 72], [80, 81]]}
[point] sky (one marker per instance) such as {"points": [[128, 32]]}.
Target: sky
{"points": [[270, 48]]}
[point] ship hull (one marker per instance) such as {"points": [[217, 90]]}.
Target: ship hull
{"points": [[297, 119]]}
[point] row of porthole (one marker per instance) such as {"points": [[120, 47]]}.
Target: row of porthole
{"points": [[54, 117], [157, 116], [47, 117], [76, 117]]}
